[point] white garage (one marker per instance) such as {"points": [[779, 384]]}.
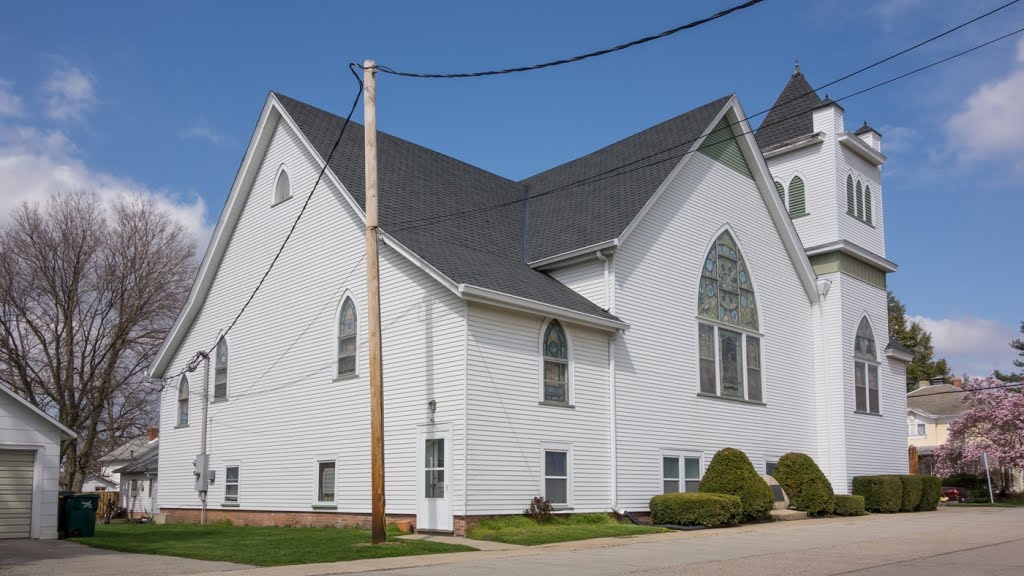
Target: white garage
{"points": [[29, 468]]}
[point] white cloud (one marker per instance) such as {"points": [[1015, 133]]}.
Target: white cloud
{"points": [[201, 132], [889, 10], [973, 345], [10, 103], [990, 121], [69, 93], [897, 139], [35, 164]]}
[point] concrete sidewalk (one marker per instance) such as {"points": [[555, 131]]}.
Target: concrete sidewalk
{"points": [[949, 541]]}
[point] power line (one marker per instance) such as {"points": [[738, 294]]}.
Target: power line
{"points": [[644, 40], [615, 171]]}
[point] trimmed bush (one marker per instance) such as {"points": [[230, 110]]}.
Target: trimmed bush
{"points": [[881, 493], [931, 491], [731, 472], [912, 487], [696, 509], [808, 489], [849, 505]]}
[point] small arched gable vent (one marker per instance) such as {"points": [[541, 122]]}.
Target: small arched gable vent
{"points": [[283, 187]]}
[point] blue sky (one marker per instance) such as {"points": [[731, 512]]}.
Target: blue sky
{"points": [[162, 99]]}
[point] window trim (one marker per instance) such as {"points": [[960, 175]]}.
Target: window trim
{"points": [[237, 483], [317, 462], [789, 197], [546, 447], [868, 364], [187, 402], [227, 366], [570, 393], [275, 200], [346, 297], [744, 333], [681, 455]]}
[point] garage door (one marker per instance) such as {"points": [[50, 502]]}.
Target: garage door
{"points": [[16, 493]]}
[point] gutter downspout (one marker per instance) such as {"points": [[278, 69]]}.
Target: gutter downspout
{"points": [[823, 288]]}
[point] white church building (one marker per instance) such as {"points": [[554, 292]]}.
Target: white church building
{"points": [[592, 334]]}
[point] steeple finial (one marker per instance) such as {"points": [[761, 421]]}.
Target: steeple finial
{"points": [[796, 67]]}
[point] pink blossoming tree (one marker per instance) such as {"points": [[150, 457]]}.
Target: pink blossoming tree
{"points": [[993, 422]]}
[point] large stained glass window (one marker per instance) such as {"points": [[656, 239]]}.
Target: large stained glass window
{"points": [[729, 349], [865, 369], [556, 363]]}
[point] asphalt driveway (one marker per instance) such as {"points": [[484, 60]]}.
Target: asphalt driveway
{"points": [[53, 557]]}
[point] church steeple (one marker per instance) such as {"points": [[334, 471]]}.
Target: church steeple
{"points": [[790, 117]]}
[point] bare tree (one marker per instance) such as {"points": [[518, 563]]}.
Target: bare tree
{"points": [[87, 294]]}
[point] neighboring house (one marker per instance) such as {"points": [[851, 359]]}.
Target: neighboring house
{"points": [[139, 484], [930, 408], [95, 483], [30, 443], [585, 334], [126, 453]]}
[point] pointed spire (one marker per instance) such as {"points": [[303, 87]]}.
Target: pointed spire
{"points": [[796, 67]]}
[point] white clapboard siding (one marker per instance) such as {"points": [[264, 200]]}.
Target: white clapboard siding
{"points": [[874, 444], [657, 271], [587, 278], [26, 437], [507, 424], [283, 414], [870, 236]]}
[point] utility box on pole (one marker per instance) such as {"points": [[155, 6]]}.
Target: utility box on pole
{"points": [[201, 470]]}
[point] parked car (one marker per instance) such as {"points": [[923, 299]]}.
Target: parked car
{"points": [[954, 494]]}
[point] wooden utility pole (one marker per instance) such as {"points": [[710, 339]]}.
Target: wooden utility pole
{"points": [[373, 305]]}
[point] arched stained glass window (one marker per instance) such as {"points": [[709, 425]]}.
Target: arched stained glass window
{"points": [[797, 203], [220, 372], [183, 401], [348, 328], [867, 204], [781, 191], [727, 299], [860, 201], [556, 363], [850, 209], [865, 369]]}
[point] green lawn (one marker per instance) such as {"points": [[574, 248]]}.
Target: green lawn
{"points": [[524, 531], [258, 545]]}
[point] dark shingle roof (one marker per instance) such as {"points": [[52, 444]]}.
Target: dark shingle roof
{"points": [[583, 214], [442, 209], [147, 463], [865, 129], [937, 400], [133, 448], [791, 115], [895, 344]]}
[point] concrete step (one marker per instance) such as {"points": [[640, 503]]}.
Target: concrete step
{"points": [[785, 515]]}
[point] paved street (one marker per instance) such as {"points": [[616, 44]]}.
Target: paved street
{"points": [[976, 541], [58, 557]]}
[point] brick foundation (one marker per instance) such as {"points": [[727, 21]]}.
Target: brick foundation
{"points": [[278, 518]]}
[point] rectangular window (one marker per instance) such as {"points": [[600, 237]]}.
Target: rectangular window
{"points": [[325, 482], [135, 488], [433, 466], [706, 345], [231, 484], [556, 477], [922, 430], [676, 478], [860, 385], [873, 389], [731, 362], [753, 368]]}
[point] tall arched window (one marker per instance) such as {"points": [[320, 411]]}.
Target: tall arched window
{"points": [[849, 196], [865, 369], [729, 347], [283, 186], [220, 372], [555, 350], [183, 401], [797, 205], [860, 201], [348, 328], [781, 191], [867, 204]]}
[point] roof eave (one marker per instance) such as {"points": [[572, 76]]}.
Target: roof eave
{"points": [[65, 432], [858, 252], [860, 148], [496, 298], [574, 256], [898, 355], [793, 145]]}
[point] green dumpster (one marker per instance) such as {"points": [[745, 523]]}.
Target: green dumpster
{"points": [[81, 515]]}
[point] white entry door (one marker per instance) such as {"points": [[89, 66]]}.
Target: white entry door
{"points": [[435, 493]]}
